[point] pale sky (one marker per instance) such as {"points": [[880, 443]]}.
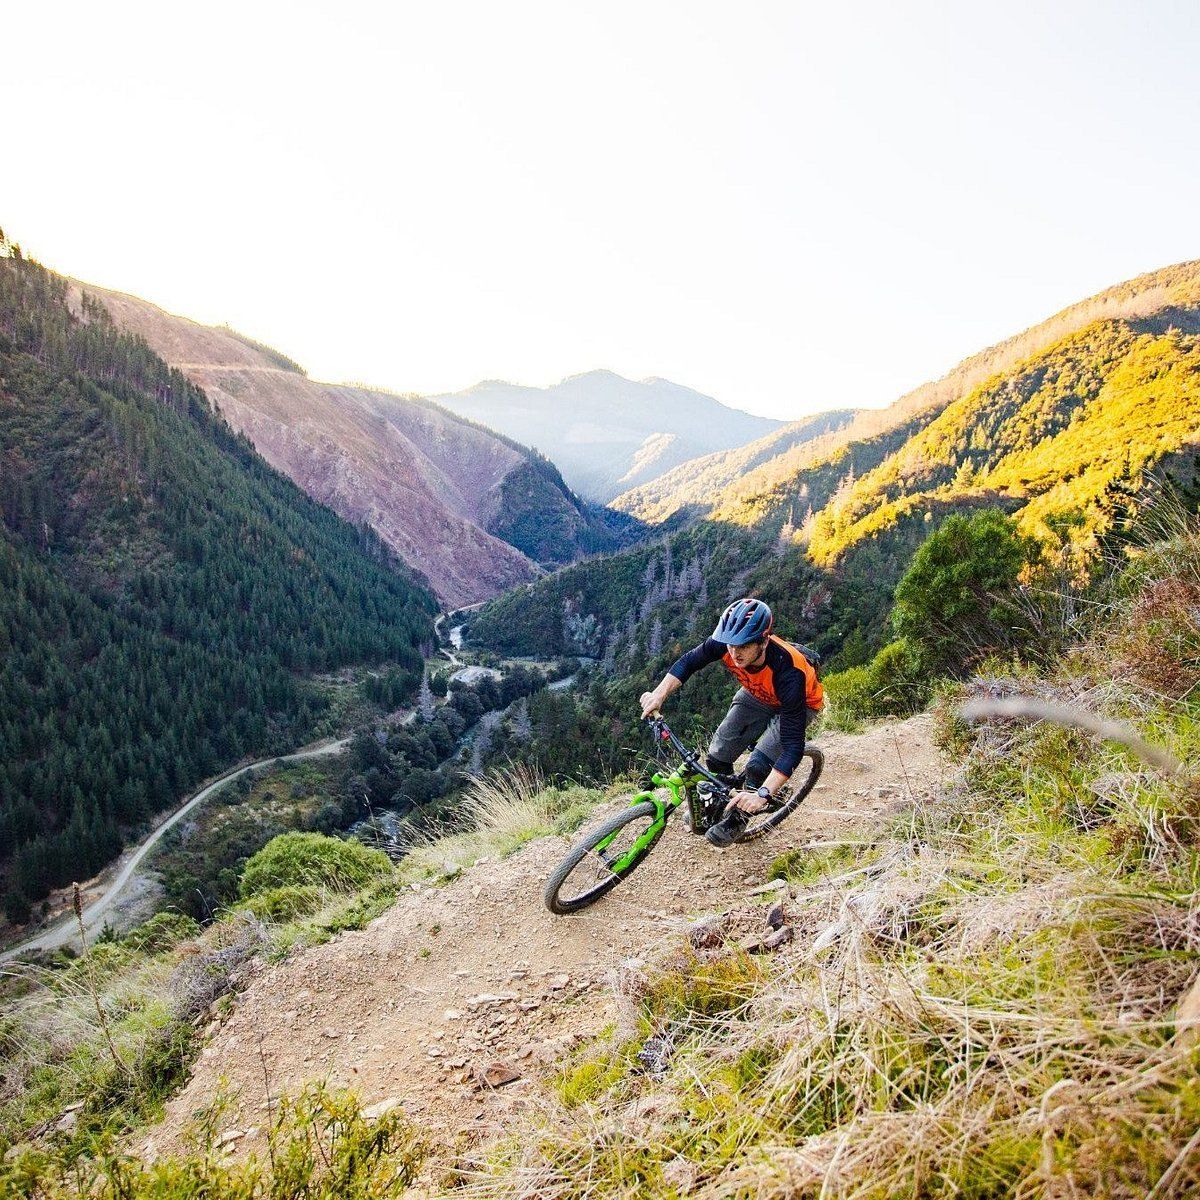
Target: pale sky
{"points": [[788, 206]]}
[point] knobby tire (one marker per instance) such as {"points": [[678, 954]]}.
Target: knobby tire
{"points": [[769, 820], [603, 885]]}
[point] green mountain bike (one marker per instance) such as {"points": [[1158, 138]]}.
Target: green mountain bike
{"points": [[610, 851]]}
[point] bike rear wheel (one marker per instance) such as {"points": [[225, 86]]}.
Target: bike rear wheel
{"points": [[605, 856], [769, 818]]}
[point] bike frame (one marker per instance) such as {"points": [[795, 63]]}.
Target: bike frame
{"points": [[681, 783]]}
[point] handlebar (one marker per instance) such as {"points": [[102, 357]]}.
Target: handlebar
{"points": [[664, 733]]}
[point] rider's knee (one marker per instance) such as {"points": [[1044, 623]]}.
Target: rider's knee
{"points": [[757, 769], [718, 766]]}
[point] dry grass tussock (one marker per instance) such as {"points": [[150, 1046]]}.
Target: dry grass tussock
{"points": [[1153, 633], [112, 1032], [982, 1005], [500, 811]]}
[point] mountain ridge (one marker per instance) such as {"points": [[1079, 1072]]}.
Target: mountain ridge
{"points": [[434, 486], [606, 432], [1173, 293]]}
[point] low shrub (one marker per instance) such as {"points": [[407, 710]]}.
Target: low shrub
{"points": [[162, 932], [312, 860], [895, 683], [276, 905], [320, 1146]]}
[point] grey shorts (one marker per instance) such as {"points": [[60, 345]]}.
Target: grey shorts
{"points": [[750, 722]]}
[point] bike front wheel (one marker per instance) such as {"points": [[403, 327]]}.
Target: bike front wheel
{"points": [[605, 856], [769, 818]]}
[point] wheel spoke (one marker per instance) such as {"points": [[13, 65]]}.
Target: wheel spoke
{"points": [[597, 866]]}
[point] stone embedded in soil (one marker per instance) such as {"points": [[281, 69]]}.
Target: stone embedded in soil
{"points": [[374, 1111], [778, 938], [497, 1074], [763, 889], [708, 933], [490, 998], [68, 1120], [775, 917]]}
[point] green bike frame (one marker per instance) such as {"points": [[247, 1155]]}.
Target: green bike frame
{"points": [[682, 787]]}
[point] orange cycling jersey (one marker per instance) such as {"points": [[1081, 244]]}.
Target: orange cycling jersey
{"points": [[761, 684], [786, 681]]}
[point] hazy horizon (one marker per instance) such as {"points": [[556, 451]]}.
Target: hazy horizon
{"points": [[787, 208]]}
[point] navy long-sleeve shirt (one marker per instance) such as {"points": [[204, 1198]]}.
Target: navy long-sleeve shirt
{"points": [[786, 681]]}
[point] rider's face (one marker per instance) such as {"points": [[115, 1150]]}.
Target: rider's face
{"points": [[749, 654]]}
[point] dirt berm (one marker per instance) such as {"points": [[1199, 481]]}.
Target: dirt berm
{"points": [[459, 998]]}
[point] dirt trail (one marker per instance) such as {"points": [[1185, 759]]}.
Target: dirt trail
{"points": [[395, 1011]]}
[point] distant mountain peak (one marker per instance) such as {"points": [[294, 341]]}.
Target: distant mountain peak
{"points": [[607, 433], [596, 374]]}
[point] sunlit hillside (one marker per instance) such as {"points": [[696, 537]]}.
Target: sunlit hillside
{"points": [[783, 487]]}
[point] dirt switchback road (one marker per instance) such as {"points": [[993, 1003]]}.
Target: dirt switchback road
{"points": [[477, 978], [66, 929]]}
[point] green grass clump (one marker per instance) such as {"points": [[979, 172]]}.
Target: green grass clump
{"points": [[705, 987], [281, 904], [804, 867], [596, 1073], [312, 860], [319, 1146]]}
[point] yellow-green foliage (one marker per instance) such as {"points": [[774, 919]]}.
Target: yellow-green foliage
{"points": [[162, 932], [1055, 435], [319, 1146], [312, 859], [704, 987], [809, 866], [760, 482]]}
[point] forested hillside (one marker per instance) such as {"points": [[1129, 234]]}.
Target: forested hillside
{"points": [[688, 491], [161, 588], [472, 510], [1062, 439], [1068, 426]]}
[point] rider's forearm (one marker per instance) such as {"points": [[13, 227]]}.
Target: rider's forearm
{"points": [[668, 687], [775, 781]]}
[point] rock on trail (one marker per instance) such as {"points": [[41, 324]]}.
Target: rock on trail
{"points": [[454, 1001]]}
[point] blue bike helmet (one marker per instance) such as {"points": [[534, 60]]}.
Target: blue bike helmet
{"points": [[744, 621]]}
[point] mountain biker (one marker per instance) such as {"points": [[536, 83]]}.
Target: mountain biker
{"points": [[780, 694]]}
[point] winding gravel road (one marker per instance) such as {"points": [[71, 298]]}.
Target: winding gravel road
{"points": [[65, 928]]}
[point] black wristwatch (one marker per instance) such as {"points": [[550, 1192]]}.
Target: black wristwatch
{"points": [[765, 792]]}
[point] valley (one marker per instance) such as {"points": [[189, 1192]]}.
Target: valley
{"points": [[211, 559]]}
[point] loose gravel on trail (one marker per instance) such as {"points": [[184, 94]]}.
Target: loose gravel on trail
{"points": [[458, 998]]}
